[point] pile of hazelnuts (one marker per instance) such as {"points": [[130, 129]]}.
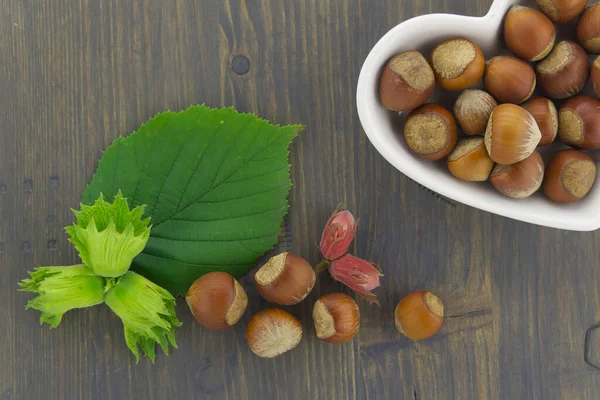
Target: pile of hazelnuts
{"points": [[218, 301], [503, 125]]}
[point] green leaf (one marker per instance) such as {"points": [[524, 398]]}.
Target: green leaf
{"points": [[215, 184]]}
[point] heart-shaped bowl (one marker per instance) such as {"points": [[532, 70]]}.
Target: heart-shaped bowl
{"points": [[384, 128]]}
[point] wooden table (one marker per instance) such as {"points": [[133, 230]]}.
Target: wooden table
{"points": [[76, 74]]}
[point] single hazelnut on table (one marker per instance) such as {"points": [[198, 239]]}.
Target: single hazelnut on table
{"points": [[217, 300], [545, 114], [562, 11], [509, 79], [521, 179], [458, 64], [579, 122], [528, 33], [472, 110], [596, 76], [336, 318], [285, 279], [565, 71], [419, 315], [272, 332], [588, 29], [511, 135], [570, 175], [430, 131], [406, 82], [469, 161]]}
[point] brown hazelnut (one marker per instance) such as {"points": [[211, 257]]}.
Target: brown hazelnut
{"points": [[562, 11], [509, 79], [472, 110], [419, 315], [569, 176], [511, 135], [470, 161], [528, 33], [521, 179], [336, 318], [565, 71], [579, 122], [285, 279], [272, 332], [430, 131], [545, 114], [588, 29], [458, 64], [406, 82], [596, 76], [217, 300]]}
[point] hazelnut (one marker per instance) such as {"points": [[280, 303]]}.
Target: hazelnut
{"points": [[406, 82], [562, 11], [509, 79], [285, 279], [565, 71], [569, 176], [217, 300], [588, 29], [458, 64], [528, 33], [511, 135], [596, 76], [336, 318], [419, 315], [521, 179], [579, 122], [470, 161], [545, 114], [430, 131], [272, 332], [472, 110]]}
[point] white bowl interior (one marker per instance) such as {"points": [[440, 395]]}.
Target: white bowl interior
{"points": [[384, 128]]}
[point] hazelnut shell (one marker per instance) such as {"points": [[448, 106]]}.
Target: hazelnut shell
{"points": [[285, 279], [458, 64], [565, 71], [472, 110], [588, 29], [217, 300], [430, 132], [511, 135], [528, 33], [419, 315], [406, 82], [509, 79], [596, 76], [272, 332], [469, 161], [521, 179], [336, 318], [579, 122], [562, 11], [545, 114], [570, 175]]}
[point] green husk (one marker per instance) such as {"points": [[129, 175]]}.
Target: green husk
{"points": [[108, 236], [61, 289], [147, 311]]}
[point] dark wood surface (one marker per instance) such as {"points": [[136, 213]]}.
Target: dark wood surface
{"points": [[76, 74]]}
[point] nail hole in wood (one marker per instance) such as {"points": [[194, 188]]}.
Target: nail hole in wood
{"points": [[52, 245], [240, 65], [28, 186], [53, 182], [2, 188], [26, 247]]}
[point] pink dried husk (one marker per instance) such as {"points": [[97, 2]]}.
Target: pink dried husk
{"points": [[338, 234], [359, 275]]}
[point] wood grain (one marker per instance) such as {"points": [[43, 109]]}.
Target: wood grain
{"points": [[76, 74]]}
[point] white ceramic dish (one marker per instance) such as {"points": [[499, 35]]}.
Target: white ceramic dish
{"points": [[384, 128]]}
